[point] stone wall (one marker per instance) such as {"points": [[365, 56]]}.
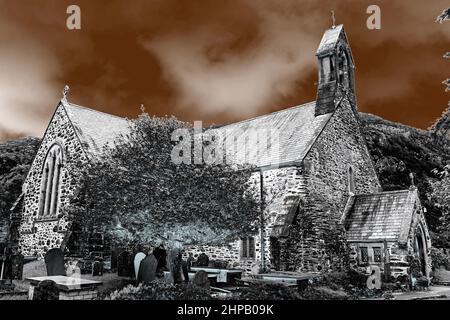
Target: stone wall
{"points": [[340, 145], [395, 253], [326, 170], [281, 186], [38, 234], [325, 173]]}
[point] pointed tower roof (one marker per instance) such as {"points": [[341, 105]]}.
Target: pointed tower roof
{"points": [[330, 40]]}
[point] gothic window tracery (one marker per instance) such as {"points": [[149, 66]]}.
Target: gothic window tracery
{"points": [[50, 185]]}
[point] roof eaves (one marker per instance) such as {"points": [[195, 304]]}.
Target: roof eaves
{"points": [[407, 217]]}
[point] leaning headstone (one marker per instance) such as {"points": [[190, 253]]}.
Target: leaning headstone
{"points": [[147, 269], [137, 262], [124, 264], [54, 260], [97, 268], [201, 280], [202, 260], [46, 290]]}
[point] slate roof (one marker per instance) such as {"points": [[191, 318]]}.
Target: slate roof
{"points": [[329, 40], [386, 215], [296, 128], [95, 129]]}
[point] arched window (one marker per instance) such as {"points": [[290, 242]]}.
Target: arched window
{"points": [[50, 185], [351, 181], [343, 67]]}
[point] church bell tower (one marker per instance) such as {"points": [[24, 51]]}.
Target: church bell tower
{"points": [[336, 71]]}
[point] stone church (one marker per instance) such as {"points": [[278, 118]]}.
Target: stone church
{"points": [[322, 155]]}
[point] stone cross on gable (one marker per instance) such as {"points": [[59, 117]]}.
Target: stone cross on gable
{"points": [[333, 18], [66, 91]]}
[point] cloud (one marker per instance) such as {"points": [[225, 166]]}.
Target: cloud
{"points": [[27, 70], [213, 74], [216, 61]]}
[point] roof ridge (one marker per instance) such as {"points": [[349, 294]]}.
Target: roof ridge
{"points": [[265, 115], [70, 104], [382, 192]]}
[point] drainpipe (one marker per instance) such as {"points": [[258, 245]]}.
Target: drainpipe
{"points": [[261, 185]]}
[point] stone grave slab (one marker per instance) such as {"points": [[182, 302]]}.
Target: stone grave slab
{"points": [[69, 288]]}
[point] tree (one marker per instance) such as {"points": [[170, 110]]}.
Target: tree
{"points": [[16, 157], [441, 128], [138, 195], [440, 194]]}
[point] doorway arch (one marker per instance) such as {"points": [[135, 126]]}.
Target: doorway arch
{"points": [[420, 249]]}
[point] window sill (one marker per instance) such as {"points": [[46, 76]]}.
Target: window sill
{"points": [[48, 219], [247, 259]]}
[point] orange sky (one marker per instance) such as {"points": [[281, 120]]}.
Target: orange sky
{"points": [[214, 60]]}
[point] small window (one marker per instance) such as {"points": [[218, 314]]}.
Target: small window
{"points": [[248, 248], [376, 254], [364, 254], [351, 181]]}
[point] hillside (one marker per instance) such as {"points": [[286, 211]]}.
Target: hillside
{"points": [[398, 149], [441, 128], [15, 160]]}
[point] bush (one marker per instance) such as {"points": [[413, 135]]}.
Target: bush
{"points": [[159, 290], [439, 258], [266, 291], [276, 291]]}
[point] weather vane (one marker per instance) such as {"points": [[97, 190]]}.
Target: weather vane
{"points": [[334, 19], [66, 91]]}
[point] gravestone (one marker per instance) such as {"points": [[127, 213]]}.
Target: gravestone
{"points": [[46, 290], [16, 266], [34, 268], [176, 266], [202, 260], [185, 269], [190, 261], [73, 270], [147, 269], [97, 268], [124, 264], [137, 262], [160, 255], [201, 280], [54, 261]]}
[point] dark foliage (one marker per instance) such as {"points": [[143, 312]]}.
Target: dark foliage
{"points": [[16, 157], [158, 290], [139, 195], [398, 150]]}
